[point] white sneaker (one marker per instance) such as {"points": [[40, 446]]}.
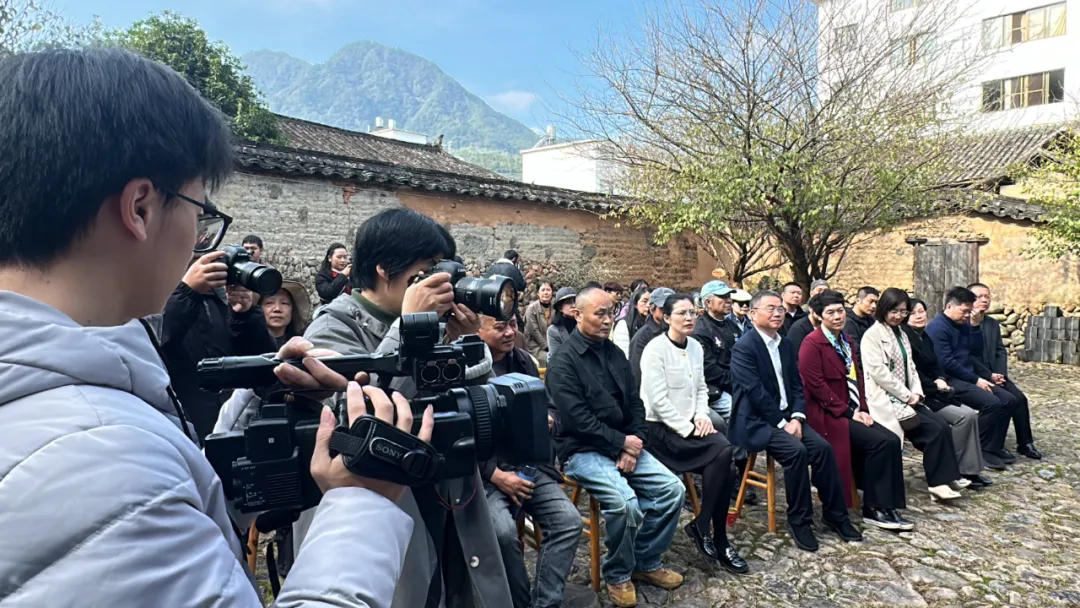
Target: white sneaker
{"points": [[943, 493], [959, 484]]}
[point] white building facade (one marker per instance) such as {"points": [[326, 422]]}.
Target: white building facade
{"points": [[576, 165], [1024, 55]]}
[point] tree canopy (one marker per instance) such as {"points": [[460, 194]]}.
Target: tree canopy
{"points": [[1053, 181], [210, 67]]}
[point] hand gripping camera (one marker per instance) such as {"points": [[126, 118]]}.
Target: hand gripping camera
{"points": [[267, 465]]}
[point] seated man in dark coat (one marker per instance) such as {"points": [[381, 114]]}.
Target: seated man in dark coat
{"points": [[601, 445], [769, 415]]}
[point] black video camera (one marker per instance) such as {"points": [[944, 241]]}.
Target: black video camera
{"points": [[267, 466], [495, 296], [260, 278]]}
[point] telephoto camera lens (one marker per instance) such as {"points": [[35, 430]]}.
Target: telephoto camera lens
{"points": [[494, 297], [263, 280]]}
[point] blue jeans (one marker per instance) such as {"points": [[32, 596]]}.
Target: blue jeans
{"points": [[559, 522], [641, 510]]}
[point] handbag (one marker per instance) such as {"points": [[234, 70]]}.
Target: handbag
{"points": [[905, 415]]}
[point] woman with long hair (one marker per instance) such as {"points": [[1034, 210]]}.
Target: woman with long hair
{"points": [[895, 396], [537, 319], [680, 432], [333, 277], [627, 327]]}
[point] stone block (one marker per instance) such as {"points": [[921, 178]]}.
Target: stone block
{"points": [[1041, 322], [1068, 347], [1057, 323], [1072, 323], [1053, 348], [1057, 334], [1070, 359], [1052, 311]]}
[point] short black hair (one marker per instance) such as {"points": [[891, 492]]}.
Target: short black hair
{"points": [[959, 296], [761, 295], [669, 304], [636, 283], [790, 284], [867, 290], [974, 285], [825, 299], [396, 239], [511, 255], [891, 299], [592, 285], [914, 303], [78, 126], [253, 238]]}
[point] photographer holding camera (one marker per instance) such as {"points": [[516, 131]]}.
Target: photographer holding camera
{"points": [[107, 499], [454, 557]]}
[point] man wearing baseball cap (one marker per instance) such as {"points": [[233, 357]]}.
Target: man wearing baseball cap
{"points": [[653, 327]]}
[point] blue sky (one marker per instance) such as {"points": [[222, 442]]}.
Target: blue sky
{"points": [[512, 53]]}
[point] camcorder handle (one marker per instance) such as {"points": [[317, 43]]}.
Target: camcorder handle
{"points": [[379, 450], [258, 371]]}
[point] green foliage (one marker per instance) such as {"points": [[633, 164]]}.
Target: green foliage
{"points": [[210, 67], [366, 79], [1053, 181], [507, 164], [27, 25]]}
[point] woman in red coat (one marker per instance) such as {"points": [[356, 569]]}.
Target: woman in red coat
{"points": [[836, 408]]}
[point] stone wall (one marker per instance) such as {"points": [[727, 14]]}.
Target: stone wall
{"points": [[298, 218]]}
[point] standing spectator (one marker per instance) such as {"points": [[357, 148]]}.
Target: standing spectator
{"points": [[836, 408], [287, 312], [861, 317], [769, 415], [511, 256], [793, 299], [333, 278], [602, 447], [717, 335], [200, 322], [894, 394], [653, 327], [818, 287], [254, 245], [628, 326], [950, 333], [987, 347], [563, 320], [635, 285], [740, 311], [537, 319], [939, 398], [680, 431], [543, 499]]}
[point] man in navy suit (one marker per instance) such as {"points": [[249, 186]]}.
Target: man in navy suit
{"points": [[770, 415]]}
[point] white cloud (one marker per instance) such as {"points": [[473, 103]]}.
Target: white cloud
{"points": [[512, 101]]}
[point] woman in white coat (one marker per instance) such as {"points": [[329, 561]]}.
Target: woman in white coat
{"points": [[894, 395], [680, 432]]}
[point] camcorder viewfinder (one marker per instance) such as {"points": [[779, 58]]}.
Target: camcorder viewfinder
{"points": [[267, 465]]}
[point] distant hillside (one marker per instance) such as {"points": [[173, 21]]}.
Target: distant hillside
{"points": [[366, 79]]}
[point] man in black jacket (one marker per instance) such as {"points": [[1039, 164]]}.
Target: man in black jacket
{"points": [[543, 499], [861, 316], [654, 326], [200, 322], [792, 296], [993, 355], [601, 444]]}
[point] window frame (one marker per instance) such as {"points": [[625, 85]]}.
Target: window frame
{"points": [[1016, 28], [1018, 92]]}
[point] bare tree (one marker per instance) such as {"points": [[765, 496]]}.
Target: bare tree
{"points": [[30, 24], [760, 124]]}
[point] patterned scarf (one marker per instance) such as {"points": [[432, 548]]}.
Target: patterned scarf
{"points": [[843, 348]]}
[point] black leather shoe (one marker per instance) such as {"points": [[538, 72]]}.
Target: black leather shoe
{"points": [[845, 530], [704, 542], [730, 560], [879, 519], [1006, 456], [992, 461], [1030, 451], [751, 498], [905, 525], [978, 481], [803, 537]]}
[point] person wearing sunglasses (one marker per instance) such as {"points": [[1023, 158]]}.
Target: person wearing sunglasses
{"points": [[107, 498]]}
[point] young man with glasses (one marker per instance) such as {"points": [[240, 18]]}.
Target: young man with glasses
{"points": [[107, 498], [770, 415]]}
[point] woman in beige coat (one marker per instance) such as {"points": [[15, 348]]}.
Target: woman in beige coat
{"points": [[894, 395], [537, 319]]}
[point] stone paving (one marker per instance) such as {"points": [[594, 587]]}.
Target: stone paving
{"points": [[1016, 543]]}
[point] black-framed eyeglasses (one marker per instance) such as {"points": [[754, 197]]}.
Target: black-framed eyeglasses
{"points": [[211, 225]]}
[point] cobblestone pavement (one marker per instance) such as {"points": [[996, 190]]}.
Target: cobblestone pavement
{"points": [[1016, 543]]}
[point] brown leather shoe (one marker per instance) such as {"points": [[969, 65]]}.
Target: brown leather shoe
{"points": [[663, 578], [622, 595]]}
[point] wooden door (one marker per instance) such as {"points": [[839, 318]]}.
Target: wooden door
{"points": [[941, 266]]}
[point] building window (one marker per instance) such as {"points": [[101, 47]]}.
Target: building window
{"points": [[914, 50], [901, 5], [844, 38], [1035, 24], [1024, 91]]}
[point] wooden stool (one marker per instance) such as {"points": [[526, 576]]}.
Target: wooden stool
{"points": [[766, 482], [591, 532], [691, 492], [524, 523], [253, 547]]}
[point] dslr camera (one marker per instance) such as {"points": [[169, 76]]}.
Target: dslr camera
{"points": [[263, 280], [494, 296], [267, 465]]}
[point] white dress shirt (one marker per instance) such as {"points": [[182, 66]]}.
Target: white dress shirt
{"points": [[772, 344]]}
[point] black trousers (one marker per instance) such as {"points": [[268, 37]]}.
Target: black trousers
{"points": [[879, 470], [995, 410], [1021, 416], [795, 456], [933, 437]]}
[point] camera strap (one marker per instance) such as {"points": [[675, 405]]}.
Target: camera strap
{"points": [[377, 449]]}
